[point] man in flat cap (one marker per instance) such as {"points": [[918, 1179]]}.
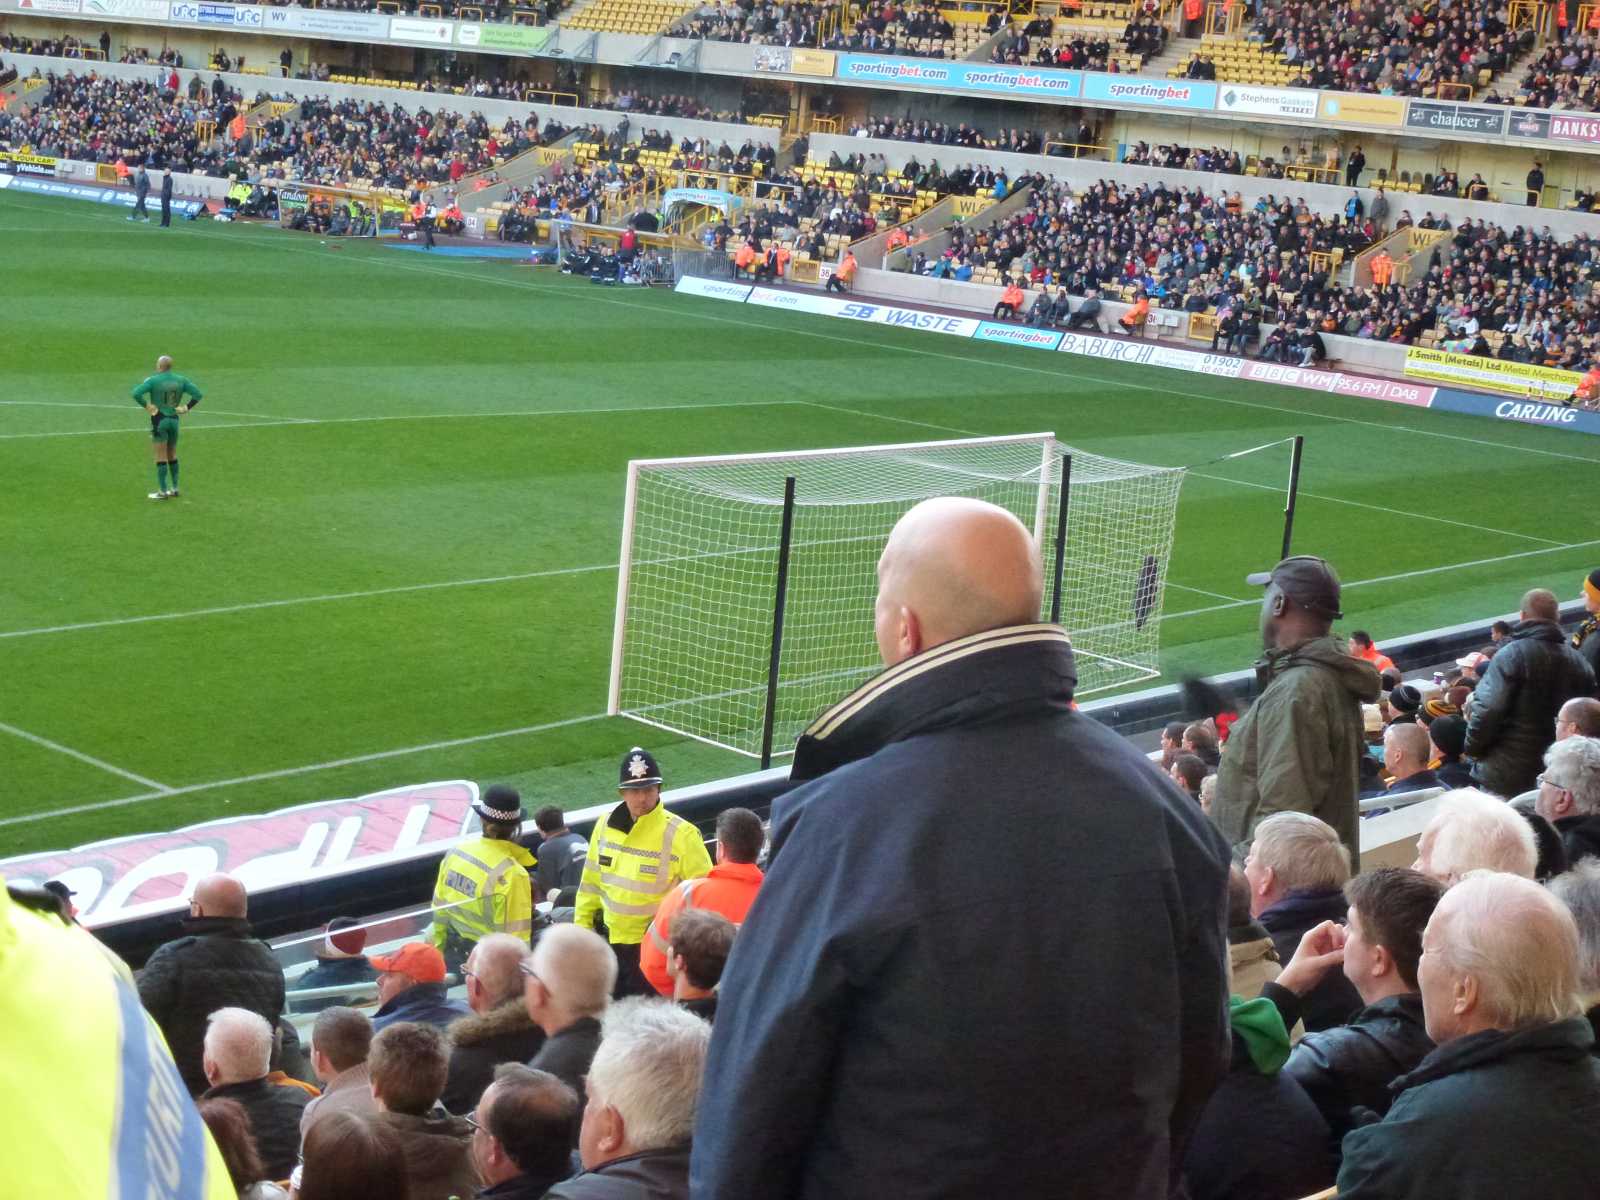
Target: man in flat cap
{"points": [[1298, 748], [483, 885], [637, 855]]}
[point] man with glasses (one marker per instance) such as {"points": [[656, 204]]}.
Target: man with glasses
{"points": [[567, 983], [1569, 795], [217, 963], [522, 1133]]}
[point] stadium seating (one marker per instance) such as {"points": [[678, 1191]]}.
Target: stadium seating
{"points": [[1237, 62], [628, 16]]}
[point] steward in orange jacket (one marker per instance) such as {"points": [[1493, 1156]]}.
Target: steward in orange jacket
{"points": [[730, 889]]}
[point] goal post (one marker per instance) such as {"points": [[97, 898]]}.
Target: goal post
{"points": [[693, 633]]}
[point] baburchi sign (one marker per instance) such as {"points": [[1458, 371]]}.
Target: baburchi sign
{"points": [[146, 875], [1456, 118]]}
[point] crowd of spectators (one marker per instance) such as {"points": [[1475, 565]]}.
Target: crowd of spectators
{"points": [[1565, 75], [1250, 265], [97, 119], [1038, 43], [1397, 1032], [917, 30], [1395, 47]]}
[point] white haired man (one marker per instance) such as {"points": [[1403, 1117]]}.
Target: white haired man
{"points": [[1297, 868], [1569, 795], [567, 984], [1474, 831], [1579, 890], [644, 1087], [236, 1058], [1507, 1104], [499, 1030]]}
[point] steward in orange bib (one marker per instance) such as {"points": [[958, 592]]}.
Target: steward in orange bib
{"points": [[638, 854], [730, 889]]}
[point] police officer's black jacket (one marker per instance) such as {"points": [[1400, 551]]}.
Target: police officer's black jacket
{"points": [[988, 958]]}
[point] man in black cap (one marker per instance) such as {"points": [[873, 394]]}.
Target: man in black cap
{"points": [[483, 884], [638, 854], [1298, 748]]}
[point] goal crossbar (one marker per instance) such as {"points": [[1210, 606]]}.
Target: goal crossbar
{"points": [[694, 649]]}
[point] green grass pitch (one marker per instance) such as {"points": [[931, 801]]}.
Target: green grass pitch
{"points": [[394, 559]]}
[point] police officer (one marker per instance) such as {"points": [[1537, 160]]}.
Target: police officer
{"points": [[483, 884], [637, 855]]}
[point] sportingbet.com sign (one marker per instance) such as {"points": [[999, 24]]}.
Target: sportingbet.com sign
{"points": [[964, 77], [147, 875]]}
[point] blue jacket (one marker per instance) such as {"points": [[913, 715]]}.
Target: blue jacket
{"points": [[1335, 1000], [425, 1003], [904, 1017]]}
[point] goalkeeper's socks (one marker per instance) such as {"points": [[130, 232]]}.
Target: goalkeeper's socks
{"points": [[172, 469], [161, 476]]}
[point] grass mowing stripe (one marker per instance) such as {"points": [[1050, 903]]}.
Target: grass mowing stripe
{"points": [[290, 601], [161, 789], [1066, 372], [167, 793], [1396, 512], [272, 422]]}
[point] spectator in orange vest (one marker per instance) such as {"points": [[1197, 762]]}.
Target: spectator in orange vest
{"points": [[1588, 389], [843, 274], [1133, 320], [897, 239], [236, 130], [1382, 269], [1361, 647], [1194, 12], [730, 889], [744, 261], [1010, 302]]}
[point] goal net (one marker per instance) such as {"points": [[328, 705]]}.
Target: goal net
{"points": [[700, 549]]}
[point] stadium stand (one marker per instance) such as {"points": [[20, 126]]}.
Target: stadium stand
{"points": [[626, 16], [1565, 75], [1089, 45], [923, 30], [1478, 289]]}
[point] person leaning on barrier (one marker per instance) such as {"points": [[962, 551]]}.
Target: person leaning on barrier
{"points": [[94, 1105], [340, 962], [483, 885]]}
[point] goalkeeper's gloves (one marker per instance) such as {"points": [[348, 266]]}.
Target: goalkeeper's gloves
{"points": [[151, 409], [182, 408]]}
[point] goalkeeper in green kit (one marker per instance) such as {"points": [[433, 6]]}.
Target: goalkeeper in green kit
{"points": [[166, 396]]}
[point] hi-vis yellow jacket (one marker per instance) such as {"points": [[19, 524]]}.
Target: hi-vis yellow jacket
{"points": [[631, 867], [484, 888], [94, 1105]]}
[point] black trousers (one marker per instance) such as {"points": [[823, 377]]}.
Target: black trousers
{"points": [[166, 211], [630, 979]]}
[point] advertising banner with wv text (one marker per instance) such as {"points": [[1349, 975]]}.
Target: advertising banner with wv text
{"points": [[1493, 374]]}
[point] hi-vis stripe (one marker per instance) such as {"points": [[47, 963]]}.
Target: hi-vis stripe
{"points": [[1012, 635], [638, 885], [159, 1142]]}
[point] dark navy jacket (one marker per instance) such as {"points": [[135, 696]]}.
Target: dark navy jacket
{"points": [[903, 1017], [1335, 1000], [425, 1003]]}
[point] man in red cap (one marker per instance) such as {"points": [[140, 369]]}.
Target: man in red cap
{"points": [[340, 962], [411, 987]]}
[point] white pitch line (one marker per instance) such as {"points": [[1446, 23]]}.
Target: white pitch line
{"points": [[160, 789], [290, 601], [270, 422], [1397, 512], [224, 412], [1184, 587], [290, 772], [1399, 575]]}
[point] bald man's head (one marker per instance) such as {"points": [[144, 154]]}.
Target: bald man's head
{"points": [[219, 896], [954, 567], [164, 363]]}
